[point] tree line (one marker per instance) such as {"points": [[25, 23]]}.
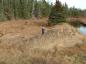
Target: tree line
{"points": [[74, 12], [60, 13], [25, 9]]}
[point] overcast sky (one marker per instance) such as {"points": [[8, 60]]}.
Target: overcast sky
{"points": [[77, 3]]}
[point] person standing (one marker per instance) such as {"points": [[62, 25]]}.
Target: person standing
{"points": [[43, 30]]}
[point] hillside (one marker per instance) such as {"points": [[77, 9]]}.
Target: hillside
{"points": [[21, 42]]}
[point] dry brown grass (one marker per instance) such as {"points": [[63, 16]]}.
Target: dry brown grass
{"points": [[21, 42], [21, 27], [76, 20]]}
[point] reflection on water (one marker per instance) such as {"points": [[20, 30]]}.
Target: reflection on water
{"points": [[83, 30]]}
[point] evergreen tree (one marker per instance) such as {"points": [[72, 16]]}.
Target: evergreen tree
{"points": [[57, 13], [45, 8], [23, 9], [37, 9], [66, 10]]}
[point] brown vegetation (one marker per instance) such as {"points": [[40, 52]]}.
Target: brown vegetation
{"points": [[21, 42], [76, 20]]}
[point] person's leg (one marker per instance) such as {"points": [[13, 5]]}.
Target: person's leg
{"points": [[42, 31]]}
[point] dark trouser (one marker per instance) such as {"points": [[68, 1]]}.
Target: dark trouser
{"points": [[42, 31]]}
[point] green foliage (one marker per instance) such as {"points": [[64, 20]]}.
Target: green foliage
{"points": [[57, 14], [45, 8], [42, 8], [23, 9], [76, 23], [74, 12], [66, 10]]}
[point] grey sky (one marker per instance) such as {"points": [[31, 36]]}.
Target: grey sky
{"points": [[76, 3]]}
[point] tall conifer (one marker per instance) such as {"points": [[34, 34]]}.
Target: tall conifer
{"points": [[57, 13]]}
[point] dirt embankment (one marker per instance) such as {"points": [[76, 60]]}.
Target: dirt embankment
{"points": [[21, 42]]}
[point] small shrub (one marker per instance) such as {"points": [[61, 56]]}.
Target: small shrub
{"points": [[76, 23]]}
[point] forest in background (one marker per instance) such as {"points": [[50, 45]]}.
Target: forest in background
{"points": [[25, 9]]}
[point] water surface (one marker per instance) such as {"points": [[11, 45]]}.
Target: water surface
{"points": [[83, 30]]}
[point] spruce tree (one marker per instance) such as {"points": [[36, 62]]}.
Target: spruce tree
{"points": [[66, 10], [57, 14]]}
